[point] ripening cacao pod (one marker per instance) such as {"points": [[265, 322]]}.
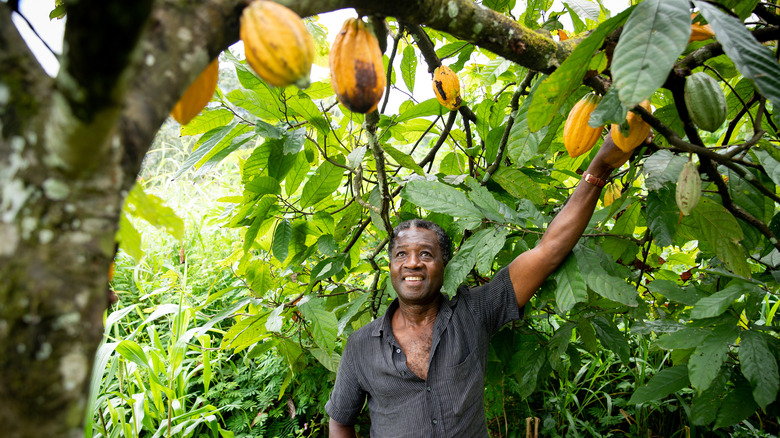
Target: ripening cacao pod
{"points": [[447, 87], [705, 101], [356, 70], [578, 136], [611, 193], [700, 32], [688, 188], [637, 133], [277, 45], [198, 94]]}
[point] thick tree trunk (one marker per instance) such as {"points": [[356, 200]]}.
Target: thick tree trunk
{"points": [[70, 150]]}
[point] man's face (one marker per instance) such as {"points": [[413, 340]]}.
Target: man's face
{"points": [[417, 266]]}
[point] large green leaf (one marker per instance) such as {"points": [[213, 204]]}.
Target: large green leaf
{"points": [[662, 167], [457, 269], [667, 381], [409, 67], [440, 198], [281, 243], [552, 93], [717, 303], [597, 278], [662, 215], [328, 267], [722, 233], [611, 338], [518, 184], [706, 360], [430, 107], [215, 140], [403, 159], [245, 333], [754, 60], [303, 106], [207, 120], [654, 36], [571, 286], [324, 182], [324, 324], [737, 405], [129, 238], [151, 209], [759, 366]]}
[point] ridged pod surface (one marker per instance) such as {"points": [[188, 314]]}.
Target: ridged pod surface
{"points": [[356, 70], [611, 193], [638, 130], [278, 47], [688, 189], [578, 136], [197, 95], [705, 101], [446, 85]]}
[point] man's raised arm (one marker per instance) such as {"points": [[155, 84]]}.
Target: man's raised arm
{"points": [[529, 270], [338, 430]]}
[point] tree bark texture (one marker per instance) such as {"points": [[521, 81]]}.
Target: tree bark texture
{"points": [[70, 150]]}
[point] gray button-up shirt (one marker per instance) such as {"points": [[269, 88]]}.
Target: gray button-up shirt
{"points": [[451, 401]]}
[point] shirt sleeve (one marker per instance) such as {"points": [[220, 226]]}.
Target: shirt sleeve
{"points": [[348, 397], [495, 302]]}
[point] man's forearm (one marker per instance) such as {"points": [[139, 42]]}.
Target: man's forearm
{"points": [[338, 430]]}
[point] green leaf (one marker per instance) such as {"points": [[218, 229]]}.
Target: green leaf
{"points": [[329, 361], [653, 38], [737, 406], [706, 360], [403, 159], [304, 107], [487, 254], [440, 198], [662, 167], [264, 185], [689, 337], [754, 60], [409, 67], [129, 239], [609, 110], [324, 182], [611, 338], [281, 243], [151, 209], [296, 174], [770, 163], [597, 278], [328, 267], [246, 332], [460, 265], [324, 324], [717, 303], [759, 366], [231, 143], [704, 406], [666, 382], [483, 199], [553, 91], [430, 107], [260, 214], [353, 309], [688, 296], [518, 184], [207, 120], [722, 233], [259, 104], [214, 141], [571, 286], [662, 215]]}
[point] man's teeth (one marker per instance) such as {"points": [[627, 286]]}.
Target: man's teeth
{"points": [[414, 278]]}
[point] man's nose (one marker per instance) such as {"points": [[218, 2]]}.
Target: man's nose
{"points": [[413, 261]]}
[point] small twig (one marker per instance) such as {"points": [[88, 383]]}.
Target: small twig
{"points": [[442, 138], [390, 67]]}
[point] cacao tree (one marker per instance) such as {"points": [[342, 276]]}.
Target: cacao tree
{"points": [[685, 253]]}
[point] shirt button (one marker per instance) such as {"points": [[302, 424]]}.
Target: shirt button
{"points": [[435, 421], [428, 388], [398, 350], [403, 372]]}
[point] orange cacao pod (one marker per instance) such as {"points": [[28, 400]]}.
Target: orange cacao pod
{"points": [[356, 69], [447, 87], [700, 32], [578, 137], [197, 95], [611, 193], [277, 45], [638, 130]]}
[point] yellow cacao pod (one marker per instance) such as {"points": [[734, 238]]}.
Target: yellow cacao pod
{"points": [[447, 87], [688, 189], [578, 137], [356, 70], [700, 32], [611, 193], [277, 45], [638, 130], [197, 95]]}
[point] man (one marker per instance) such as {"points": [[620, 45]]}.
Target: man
{"points": [[422, 366]]}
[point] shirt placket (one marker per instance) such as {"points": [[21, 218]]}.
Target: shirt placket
{"points": [[431, 390]]}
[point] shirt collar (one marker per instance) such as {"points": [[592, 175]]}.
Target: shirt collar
{"points": [[445, 313]]}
